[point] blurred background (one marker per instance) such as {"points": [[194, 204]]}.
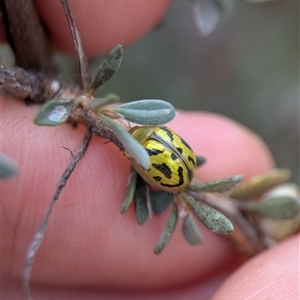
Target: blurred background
{"points": [[246, 69]]}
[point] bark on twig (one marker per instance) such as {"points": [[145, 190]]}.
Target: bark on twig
{"points": [[38, 238], [34, 78], [32, 86], [26, 35], [85, 76]]}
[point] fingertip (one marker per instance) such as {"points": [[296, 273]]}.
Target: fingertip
{"points": [[101, 24], [229, 147], [273, 274], [86, 234]]}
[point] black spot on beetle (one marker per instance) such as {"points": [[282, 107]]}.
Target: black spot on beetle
{"points": [[181, 179], [174, 156], [163, 168], [180, 171], [169, 133], [157, 178], [192, 161], [179, 150], [153, 151], [185, 143]]}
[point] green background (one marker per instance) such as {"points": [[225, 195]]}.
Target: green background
{"points": [[247, 69]]}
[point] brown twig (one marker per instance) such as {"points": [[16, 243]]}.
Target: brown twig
{"points": [[32, 86], [33, 248], [85, 76], [35, 79], [26, 35]]}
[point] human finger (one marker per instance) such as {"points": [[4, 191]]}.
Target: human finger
{"points": [[101, 24], [87, 241], [273, 274]]}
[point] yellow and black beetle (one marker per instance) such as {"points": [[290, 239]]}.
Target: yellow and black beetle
{"points": [[172, 161]]}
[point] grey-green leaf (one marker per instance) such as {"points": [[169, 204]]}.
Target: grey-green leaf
{"points": [[160, 201], [100, 102], [132, 146], [212, 219], [280, 203], [200, 160], [131, 186], [142, 201], [260, 183], [8, 167], [206, 16], [191, 230], [217, 186], [168, 230], [108, 67], [147, 111], [55, 112]]}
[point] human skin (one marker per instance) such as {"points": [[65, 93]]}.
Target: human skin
{"points": [[88, 244]]}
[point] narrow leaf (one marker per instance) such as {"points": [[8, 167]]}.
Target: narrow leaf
{"points": [[7, 166], [200, 160], [55, 112], [168, 230], [108, 68], [160, 201], [277, 208], [131, 186], [191, 230], [212, 219], [147, 111], [206, 16], [217, 186], [142, 201], [100, 102], [261, 183], [280, 203], [132, 146]]}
